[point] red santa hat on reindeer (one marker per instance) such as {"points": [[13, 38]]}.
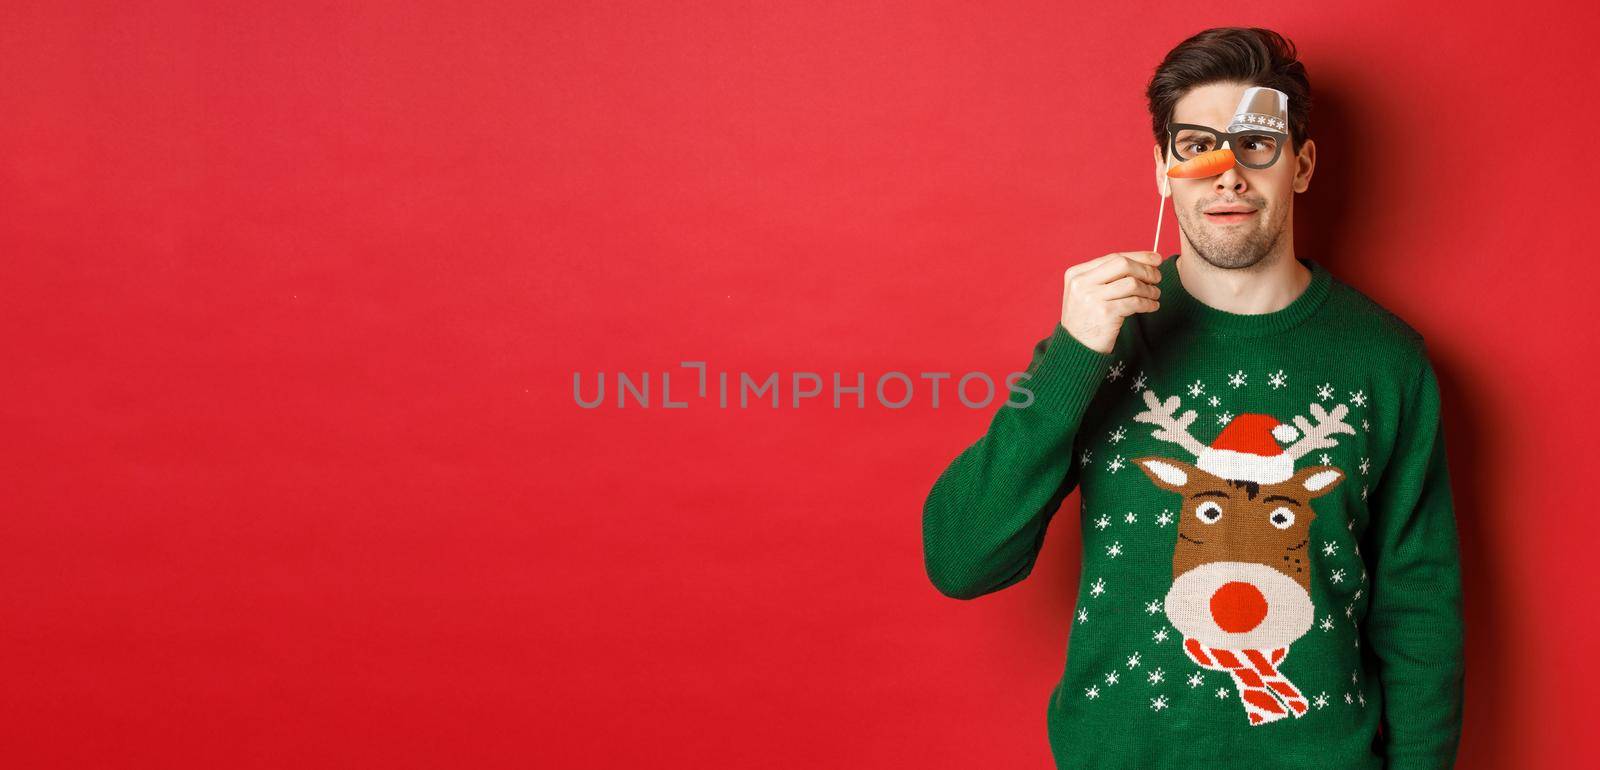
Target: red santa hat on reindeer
{"points": [[1247, 450]]}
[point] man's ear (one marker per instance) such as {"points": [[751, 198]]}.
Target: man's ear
{"points": [[1305, 164], [1161, 172]]}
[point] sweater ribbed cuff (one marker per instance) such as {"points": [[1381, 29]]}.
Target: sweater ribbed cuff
{"points": [[1067, 376]]}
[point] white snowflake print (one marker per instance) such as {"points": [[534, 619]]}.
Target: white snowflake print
{"points": [[1138, 382], [1350, 525], [1133, 660], [1213, 401], [1197, 389], [1161, 635], [1349, 610], [1325, 391], [1164, 518], [1131, 517], [1114, 550], [1364, 466], [1348, 699], [1363, 569], [1152, 607], [1098, 588], [1225, 418], [1222, 692], [1115, 371], [1365, 426], [1363, 491], [1195, 680], [1102, 522], [1357, 595], [1237, 379], [1158, 703], [1362, 698], [1358, 397], [1085, 460], [1118, 434], [1337, 576], [1277, 380], [1115, 464], [1330, 548], [1325, 459], [1327, 623], [1092, 693], [1321, 701], [1156, 677], [1111, 677], [1083, 614], [1352, 677]]}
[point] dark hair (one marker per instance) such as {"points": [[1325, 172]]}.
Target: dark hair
{"points": [[1249, 55]]}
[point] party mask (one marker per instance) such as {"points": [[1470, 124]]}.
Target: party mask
{"points": [[1254, 138]]}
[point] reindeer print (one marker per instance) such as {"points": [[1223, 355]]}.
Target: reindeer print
{"points": [[1241, 567]]}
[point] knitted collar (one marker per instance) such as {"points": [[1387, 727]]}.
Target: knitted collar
{"points": [[1194, 315]]}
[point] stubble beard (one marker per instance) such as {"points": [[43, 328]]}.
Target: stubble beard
{"points": [[1233, 248]]}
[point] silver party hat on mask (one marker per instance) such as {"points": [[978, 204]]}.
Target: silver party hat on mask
{"points": [[1261, 107]]}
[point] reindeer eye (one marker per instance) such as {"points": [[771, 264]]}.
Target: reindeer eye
{"points": [[1208, 511], [1282, 518]]}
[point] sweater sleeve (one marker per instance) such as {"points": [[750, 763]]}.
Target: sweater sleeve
{"points": [[1415, 626], [985, 518]]}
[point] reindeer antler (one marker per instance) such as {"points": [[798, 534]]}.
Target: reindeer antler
{"points": [[1319, 435], [1169, 427]]}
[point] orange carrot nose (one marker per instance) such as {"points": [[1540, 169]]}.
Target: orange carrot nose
{"points": [[1203, 165], [1238, 607]]}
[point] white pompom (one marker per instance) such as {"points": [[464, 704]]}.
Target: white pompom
{"points": [[1285, 432]]}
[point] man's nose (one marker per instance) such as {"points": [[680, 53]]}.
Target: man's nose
{"points": [[1231, 180], [1238, 607]]}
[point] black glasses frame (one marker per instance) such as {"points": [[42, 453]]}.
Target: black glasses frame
{"points": [[1232, 138]]}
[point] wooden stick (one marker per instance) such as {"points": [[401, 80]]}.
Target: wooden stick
{"points": [[1161, 209]]}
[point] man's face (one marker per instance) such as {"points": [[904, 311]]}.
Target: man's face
{"points": [[1235, 241]]}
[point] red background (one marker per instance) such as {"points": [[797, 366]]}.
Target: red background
{"points": [[294, 294]]}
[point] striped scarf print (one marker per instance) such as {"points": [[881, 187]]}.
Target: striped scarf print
{"points": [[1261, 685]]}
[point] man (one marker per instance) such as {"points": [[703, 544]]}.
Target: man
{"points": [[1271, 570]]}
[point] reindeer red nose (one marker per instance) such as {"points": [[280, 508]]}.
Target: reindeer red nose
{"points": [[1238, 607]]}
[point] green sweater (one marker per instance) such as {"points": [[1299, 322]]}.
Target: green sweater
{"points": [[1270, 576]]}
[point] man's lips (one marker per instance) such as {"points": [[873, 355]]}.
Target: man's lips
{"points": [[1228, 216]]}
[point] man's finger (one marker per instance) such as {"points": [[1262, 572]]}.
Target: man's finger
{"points": [[1121, 264], [1129, 286], [1089, 265]]}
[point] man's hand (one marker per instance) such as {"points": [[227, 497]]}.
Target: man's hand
{"points": [[1103, 291]]}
